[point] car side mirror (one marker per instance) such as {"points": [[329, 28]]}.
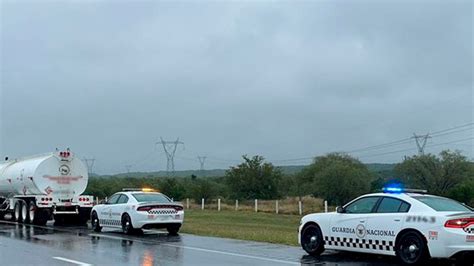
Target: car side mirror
{"points": [[102, 202], [340, 209]]}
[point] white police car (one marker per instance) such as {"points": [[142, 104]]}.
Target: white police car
{"points": [[406, 223], [136, 209]]}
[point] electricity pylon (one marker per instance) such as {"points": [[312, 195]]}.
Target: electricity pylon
{"points": [[202, 159], [170, 149], [90, 164], [421, 142]]}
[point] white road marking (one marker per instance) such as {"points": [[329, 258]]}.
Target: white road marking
{"points": [[234, 254], [203, 250], [72, 261]]}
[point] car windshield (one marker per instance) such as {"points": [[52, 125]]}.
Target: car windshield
{"points": [[442, 204], [151, 197]]}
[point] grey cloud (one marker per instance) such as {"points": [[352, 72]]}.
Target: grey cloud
{"points": [[281, 79]]}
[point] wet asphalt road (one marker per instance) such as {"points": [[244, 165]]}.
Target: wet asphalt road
{"points": [[74, 245]]}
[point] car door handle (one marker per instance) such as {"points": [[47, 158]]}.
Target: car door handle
{"points": [[397, 220], [362, 221]]}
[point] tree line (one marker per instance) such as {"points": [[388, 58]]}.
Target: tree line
{"points": [[335, 177]]}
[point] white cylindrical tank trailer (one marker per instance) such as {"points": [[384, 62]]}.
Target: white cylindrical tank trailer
{"points": [[38, 188]]}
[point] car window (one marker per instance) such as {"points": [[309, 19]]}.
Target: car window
{"points": [[442, 204], [113, 199], [405, 207], [151, 197], [123, 199], [363, 205], [391, 205]]}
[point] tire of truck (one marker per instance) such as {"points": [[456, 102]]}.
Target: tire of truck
{"points": [[16, 215], [31, 212], [25, 213], [41, 217]]}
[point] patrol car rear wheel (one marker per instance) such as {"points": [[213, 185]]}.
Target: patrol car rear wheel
{"points": [[127, 226], [95, 222], [312, 240], [411, 249], [173, 229]]}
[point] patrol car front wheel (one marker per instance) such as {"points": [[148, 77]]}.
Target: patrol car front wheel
{"points": [[95, 222], [127, 226], [312, 240], [411, 249]]}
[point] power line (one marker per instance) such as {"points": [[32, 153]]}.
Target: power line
{"points": [[427, 146], [381, 146], [420, 140], [384, 153], [452, 128], [452, 132], [451, 142], [222, 160]]}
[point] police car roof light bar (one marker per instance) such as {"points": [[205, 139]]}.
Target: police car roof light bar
{"points": [[403, 190]]}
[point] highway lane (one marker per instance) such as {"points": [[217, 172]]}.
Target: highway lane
{"points": [[73, 245]]}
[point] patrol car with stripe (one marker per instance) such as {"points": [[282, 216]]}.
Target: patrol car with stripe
{"points": [[135, 209], [409, 224]]}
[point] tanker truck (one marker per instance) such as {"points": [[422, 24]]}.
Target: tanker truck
{"points": [[43, 187]]}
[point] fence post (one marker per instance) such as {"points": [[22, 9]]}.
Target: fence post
{"points": [[187, 203], [300, 207], [202, 204], [218, 204], [236, 204], [256, 205], [325, 206], [276, 206]]}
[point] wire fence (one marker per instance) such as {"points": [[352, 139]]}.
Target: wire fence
{"points": [[297, 206], [289, 205]]}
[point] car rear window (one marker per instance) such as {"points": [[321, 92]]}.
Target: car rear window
{"points": [[151, 197], [391, 205], [442, 204]]}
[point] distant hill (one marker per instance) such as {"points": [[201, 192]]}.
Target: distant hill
{"points": [[287, 170]]}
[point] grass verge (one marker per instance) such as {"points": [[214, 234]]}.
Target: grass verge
{"points": [[262, 227]]}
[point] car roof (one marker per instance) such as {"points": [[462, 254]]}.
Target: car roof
{"points": [[396, 195], [139, 192]]}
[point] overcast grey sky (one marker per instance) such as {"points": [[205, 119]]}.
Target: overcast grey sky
{"points": [[281, 79]]}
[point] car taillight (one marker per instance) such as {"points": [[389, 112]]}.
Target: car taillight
{"points": [[459, 223], [144, 209]]}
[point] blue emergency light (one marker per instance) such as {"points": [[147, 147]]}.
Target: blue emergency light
{"points": [[403, 190], [392, 189]]}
